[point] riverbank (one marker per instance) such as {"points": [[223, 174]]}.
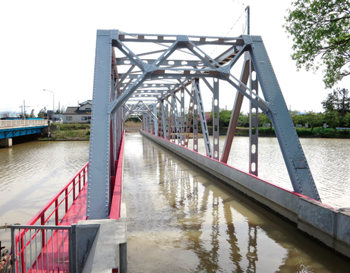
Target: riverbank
{"points": [[65, 132], [81, 132], [317, 132]]}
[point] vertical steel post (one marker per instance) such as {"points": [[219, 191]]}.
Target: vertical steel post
{"points": [[195, 120], [204, 126], [173, 118], [99, 155], [216, 128], [176, 119], [253, 125], [164, 123], [183, 119], [155, 121], [190, 115]]}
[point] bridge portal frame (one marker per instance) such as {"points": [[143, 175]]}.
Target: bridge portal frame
{"points": [[151, 81]]}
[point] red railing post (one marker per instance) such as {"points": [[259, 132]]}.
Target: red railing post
{"points": [[56, 212], [66, 198], [85, 170], [22, 253], [79, 182], [73, 189], [42, 231]]}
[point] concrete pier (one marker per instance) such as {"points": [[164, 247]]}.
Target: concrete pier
{"points": [[328, 225], [5, 143]]}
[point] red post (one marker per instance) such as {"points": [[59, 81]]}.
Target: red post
{"points": [[84, 176], [73, 189], [66, 199], [56, 212], [79, 181], [43, 231], [22, 253]]}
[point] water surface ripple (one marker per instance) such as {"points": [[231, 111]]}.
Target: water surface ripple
{"points": [[180, 220]]}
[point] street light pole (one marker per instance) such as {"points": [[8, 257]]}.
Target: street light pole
{"points": [[53, 100]]}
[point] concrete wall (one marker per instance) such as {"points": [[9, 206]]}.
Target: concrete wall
{"points": [[76, 118], [101, 245], [6, 142], [326, 224]]}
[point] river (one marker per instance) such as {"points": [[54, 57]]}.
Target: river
{"points": [[328, 158], [179, 219]]}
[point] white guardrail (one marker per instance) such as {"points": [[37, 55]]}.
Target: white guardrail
{"points": [[22, 122]]}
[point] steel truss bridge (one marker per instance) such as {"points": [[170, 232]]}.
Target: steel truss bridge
{"points": [[157, 77], [152, 76]]}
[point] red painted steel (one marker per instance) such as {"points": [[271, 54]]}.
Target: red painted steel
{"points": [[117, 189], [74, 213]]}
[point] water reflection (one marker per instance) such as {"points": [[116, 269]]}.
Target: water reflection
{"points": [[180, 220]]}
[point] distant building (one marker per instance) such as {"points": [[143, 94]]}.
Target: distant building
{"points": [[80, 114]]}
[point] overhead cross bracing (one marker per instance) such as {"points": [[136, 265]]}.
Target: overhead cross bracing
{"points": [[151, 74]]}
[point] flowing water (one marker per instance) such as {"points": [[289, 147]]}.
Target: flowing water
{"points": [[180, 219]]}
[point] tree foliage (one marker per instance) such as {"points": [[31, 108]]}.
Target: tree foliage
{"points": [[321, 34], [338, 100]]}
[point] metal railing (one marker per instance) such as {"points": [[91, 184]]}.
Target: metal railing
{"points": [[43, 248], [66, 196], [22, 122], [47, 219]]}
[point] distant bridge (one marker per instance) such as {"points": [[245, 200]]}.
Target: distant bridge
{"points": [[19, 127]]}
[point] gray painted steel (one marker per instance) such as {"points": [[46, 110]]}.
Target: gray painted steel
{"points": [[292, 151], [201, 112], [126, 75], [253, 125], [99, 156]]}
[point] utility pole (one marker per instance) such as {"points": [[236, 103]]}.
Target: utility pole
{"points": [[247, 9]]}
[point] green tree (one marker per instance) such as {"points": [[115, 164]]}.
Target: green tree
{"points": [[263, 119], [42, 113], [338, 100], [243, 119], [333, 119], [346, 119], [314, 119], [224, 118], [321, 36]]}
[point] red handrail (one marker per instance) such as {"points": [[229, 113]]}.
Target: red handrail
{"points": [[82, 173], [53, 199]]}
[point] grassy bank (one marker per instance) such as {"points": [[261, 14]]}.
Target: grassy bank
{"points": [[302, 132], [74, 131], [82, 132]]}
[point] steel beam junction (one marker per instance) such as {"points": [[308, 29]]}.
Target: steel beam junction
{"points": [[150, 75]]}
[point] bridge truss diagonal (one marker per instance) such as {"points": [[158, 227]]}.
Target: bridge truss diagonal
{"points": [[149, 76]]}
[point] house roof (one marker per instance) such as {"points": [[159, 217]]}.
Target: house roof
{"points": [[74, 110], [85, 102]]}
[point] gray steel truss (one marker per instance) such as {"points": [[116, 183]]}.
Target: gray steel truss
{"points": [[131, 82], [253, 126]]}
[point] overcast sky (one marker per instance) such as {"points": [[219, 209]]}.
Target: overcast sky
{"points": [[51, 44]]}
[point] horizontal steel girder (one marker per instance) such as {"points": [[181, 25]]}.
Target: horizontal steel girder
{"points": [[125, 74]]}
